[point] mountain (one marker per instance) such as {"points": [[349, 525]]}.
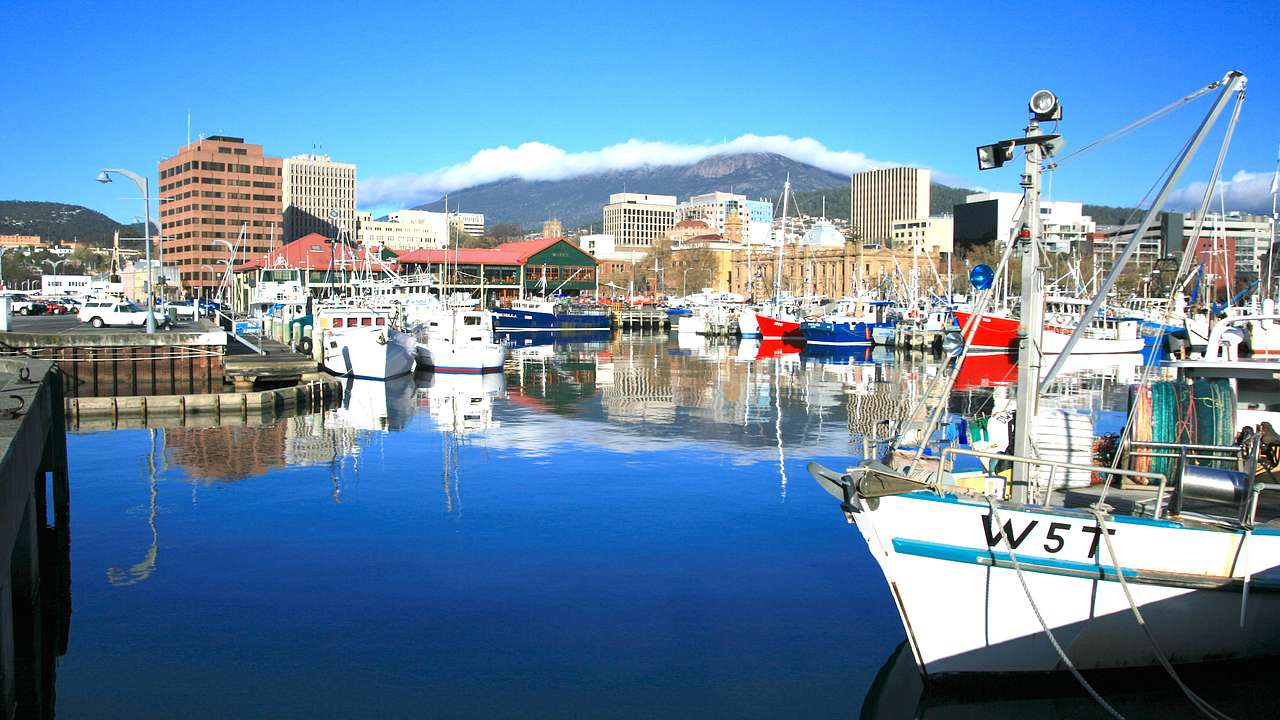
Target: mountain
{"points": [[60, 221], [577, 201]]}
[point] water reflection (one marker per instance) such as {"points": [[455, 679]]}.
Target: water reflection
{"points": [[1239, 689], [141, 570]]}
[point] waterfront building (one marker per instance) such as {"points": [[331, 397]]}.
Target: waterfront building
{"points": [[552, 229], [1230, 246], [317, 264], [933, 235], [731, 216], [211, 192], [404, 230], [825, 270], [54, 285], [167, 280], [319, 196], [996, 216], [878, 197], [549, 266], [635, 220]]}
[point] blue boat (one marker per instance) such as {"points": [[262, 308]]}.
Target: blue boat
{"points": [[549, 316], [849, 323]]}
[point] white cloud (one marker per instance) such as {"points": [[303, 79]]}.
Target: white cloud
{"points": [[540, 161], [1245, 191]]}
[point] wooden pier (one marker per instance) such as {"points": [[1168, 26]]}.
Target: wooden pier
{"points": [[641, 318], [35, 585]]}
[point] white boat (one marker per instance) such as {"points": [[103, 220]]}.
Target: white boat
{"points": [[459, 340], [1018, 577], [360, 342]]}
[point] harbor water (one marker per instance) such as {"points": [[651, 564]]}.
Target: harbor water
{"points": [[612, 528]]}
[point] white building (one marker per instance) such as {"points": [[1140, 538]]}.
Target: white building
{"points": [[54, 285], [404, 230], [600, 245], [635, 220], [470, 223], [1249, 235], [932, 234], [319, 195], [994, 216], [729, 215]]}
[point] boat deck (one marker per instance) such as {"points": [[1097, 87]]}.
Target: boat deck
{"points": [[1139, 501]]}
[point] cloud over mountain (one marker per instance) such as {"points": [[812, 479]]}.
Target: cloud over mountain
{"points": [[540, 161], [1245, 191]]}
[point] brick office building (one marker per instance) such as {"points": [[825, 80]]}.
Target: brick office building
{"points": [[211, 191]]}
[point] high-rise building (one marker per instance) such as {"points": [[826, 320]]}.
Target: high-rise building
{"points": [[1230, 246], [319, 196], [213, 191], [878, 197], [637, 219], [732, 216]]}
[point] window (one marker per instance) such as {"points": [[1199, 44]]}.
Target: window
{"points": [[367, 322], [337, 322]]}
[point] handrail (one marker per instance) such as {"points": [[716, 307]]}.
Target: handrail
{"points": [[1213, 349], [1065, 465], [232, 321]]}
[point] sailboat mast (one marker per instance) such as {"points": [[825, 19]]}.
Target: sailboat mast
{"points": [[782, 241]]}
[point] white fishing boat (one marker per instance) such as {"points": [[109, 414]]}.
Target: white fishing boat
{"points": [[1029, 575], [359, 341], [459, 340]]}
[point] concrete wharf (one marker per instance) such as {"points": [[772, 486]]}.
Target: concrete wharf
{"points": [[35, 575], [278, 363]]}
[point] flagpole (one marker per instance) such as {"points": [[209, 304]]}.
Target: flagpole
{"points": [[1275, 217]]}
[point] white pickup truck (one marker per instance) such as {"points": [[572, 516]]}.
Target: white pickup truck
{"points": [[118, 313]]}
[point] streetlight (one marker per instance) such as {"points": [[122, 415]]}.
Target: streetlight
{"points": [[684, 286], [145, 186], [55, 264], [2, 249]]}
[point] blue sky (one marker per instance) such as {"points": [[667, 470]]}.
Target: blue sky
{"points": [[406, 89]]}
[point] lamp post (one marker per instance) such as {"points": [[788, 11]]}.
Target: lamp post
{"points": [[145, 186], [684, 285], [2, 249], [55, 264]]}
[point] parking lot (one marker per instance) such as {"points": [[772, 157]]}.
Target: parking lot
{"points": [[69, 324]]}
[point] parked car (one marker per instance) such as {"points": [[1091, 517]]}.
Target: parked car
{"points": [[117, 313], [60, 307], [182, 308], [24, 305]]}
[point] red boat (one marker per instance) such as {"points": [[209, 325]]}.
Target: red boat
{"points": [[1110, 337], [779, 329]]}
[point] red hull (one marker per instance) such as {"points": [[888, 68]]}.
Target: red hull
{"points": [[992, 333], [772, 329]]}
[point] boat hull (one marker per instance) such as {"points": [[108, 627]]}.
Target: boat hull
{"points": [[1000, 334], [367, 353], [965, 611], [518, 320], [836, 333], [773, 328], [444, 357]]}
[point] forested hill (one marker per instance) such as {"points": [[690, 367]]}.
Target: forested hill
{"points": [[54, 221]]}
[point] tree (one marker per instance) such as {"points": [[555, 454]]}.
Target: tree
{"points": [[506, 232], [466, 240]]}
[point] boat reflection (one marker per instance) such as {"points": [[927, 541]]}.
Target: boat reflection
{"points": [[1240, 690], [463, 404]]}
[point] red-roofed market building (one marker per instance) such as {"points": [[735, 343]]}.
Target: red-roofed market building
{"points": [[550, 266], [312, 265]]}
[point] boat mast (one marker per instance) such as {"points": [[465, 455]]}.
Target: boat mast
{"points": [[782, 242], [1032, 312]]}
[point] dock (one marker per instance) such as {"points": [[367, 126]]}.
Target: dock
{"points": [[641, 318], [277, 363], [35, 598]]}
